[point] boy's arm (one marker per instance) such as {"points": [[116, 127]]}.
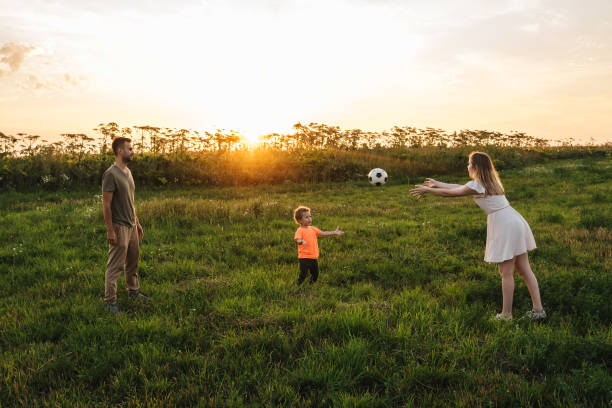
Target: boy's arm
{"points": [[328, 233], [299, 238]]}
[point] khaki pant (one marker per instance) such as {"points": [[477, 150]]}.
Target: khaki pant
{"points": [[122, 256]]}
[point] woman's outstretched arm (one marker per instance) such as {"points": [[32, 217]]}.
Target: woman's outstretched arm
{"points": [[459, 191], [429, 182]]}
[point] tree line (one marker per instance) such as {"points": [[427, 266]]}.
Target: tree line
{"points": [[313, 136], [310, 153]]}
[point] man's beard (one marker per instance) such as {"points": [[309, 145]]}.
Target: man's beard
{"points": [[127, 159]]}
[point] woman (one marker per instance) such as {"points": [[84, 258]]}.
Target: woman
{"points": [[508, 234]]}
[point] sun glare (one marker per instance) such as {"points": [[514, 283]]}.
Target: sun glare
{"points": [[251, 139]]}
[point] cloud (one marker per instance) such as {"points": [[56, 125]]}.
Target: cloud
{"points": [[32, 81], [13, 54], [54, 82], [36, 83], [71, 79]]}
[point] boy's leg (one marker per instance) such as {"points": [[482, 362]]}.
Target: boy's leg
{"points": [[303, 270], [314, 271]]}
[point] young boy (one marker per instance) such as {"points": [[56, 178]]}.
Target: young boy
{"points": [[308, 248]]}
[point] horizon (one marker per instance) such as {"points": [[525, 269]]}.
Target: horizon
{"points": [[540, 67]]}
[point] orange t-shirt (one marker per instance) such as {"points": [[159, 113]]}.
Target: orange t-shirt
{"points": [[308, 234]]}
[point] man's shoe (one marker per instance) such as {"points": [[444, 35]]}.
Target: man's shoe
{"points": [[139, 296], [112, 307]]}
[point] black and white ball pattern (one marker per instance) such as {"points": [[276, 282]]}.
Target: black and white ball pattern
{"points": [[377, 177]]}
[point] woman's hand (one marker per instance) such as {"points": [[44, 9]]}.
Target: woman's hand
{"points": [[419, 190], [429, 182], [338, 232]]}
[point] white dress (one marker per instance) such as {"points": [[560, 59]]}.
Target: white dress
{"points": [[508, 234]]}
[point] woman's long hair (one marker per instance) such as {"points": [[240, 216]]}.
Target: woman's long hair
{"points": [[484, 171]]}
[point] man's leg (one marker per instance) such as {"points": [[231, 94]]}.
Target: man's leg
{"points": [[116, 263], [131, 262]]}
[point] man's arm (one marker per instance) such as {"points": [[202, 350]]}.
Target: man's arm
{"points": [[138, 226], [107, 198]]}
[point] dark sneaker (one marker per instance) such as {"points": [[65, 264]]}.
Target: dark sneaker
{"points": [[139, 296], [112, 307]]}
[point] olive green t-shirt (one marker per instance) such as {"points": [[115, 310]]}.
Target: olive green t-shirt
{"points": [[122, 185]]}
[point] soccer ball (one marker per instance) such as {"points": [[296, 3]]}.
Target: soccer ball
{"points": [[377, 177]]}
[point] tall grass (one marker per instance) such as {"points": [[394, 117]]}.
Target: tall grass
{"points": [[241, 168], [400, 316], [312, 153]]}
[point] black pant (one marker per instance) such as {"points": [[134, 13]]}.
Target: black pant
{"points": [[307, 264]]}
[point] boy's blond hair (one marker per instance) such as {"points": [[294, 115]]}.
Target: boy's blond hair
{"points": [[299, 213]]}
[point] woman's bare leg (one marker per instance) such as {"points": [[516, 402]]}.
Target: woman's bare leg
{"points": [[524, 269], [506, 271]]}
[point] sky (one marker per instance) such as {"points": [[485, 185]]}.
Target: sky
{"points": [[540, 67]]}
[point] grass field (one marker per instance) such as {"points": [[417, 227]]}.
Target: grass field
{"points": [[401, 315]]}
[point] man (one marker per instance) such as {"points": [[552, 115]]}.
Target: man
{"points": [[123, 231]]}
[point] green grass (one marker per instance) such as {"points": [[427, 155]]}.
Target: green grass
{"points": [[401, 315]]}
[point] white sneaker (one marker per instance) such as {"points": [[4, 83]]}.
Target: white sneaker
{"points": [[536, 315], [501, 316]]}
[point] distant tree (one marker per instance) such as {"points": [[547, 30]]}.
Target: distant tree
{"points": [[78, 144], [399, 137], [8, 143], [304, 136], [232, 139], [201, 141], [108, 132], [351, 139], [153, 134], [141, 145], [29, 143], [182, 138], [273, 141]]}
